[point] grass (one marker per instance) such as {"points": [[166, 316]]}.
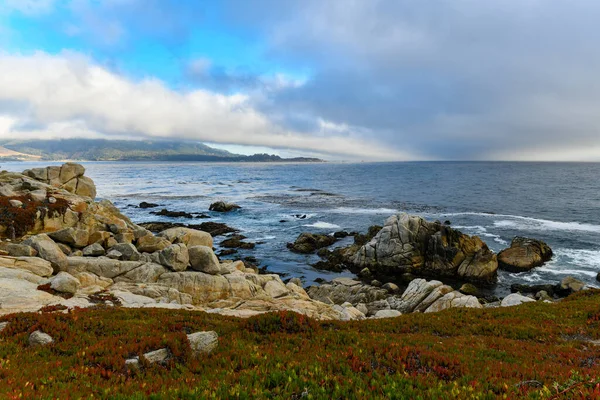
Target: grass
{"points": [[536, 351]]}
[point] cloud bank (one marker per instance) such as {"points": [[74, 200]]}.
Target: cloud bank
{"points": [[388, 79]]}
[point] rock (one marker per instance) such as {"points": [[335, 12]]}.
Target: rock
{"points": [[348, 312], [203, 259], [469, 289], [127, 250], [514, 299], [387, 314], [292, 287], [374, 306], [297, 282], [307, 243], [3, 326], [203, 342], [524, 254], [236, 242], [414, 294], [88, 279], [38, 195], [521, 288], [39, 338], [571, 285], [65, 249], [275, 289], [150, 244], [77, 238], [435, 294], [111, 242], [65, 283], [85, 187], [542, 295], [343, 290], [157, 356], [125, 237], [99, 237], [145, 273], [35, 265], [103, 267], [143, 204], [175, 257], [213, 228], [18, 250], [93, 250], [48, 250], [376, 283], [172, 214], [410, 244], [187, 236], [69, 171], [16, 203], [362, 307], [454, 300], [132, 364], [365, 273], [221, 206], [391, 287]]}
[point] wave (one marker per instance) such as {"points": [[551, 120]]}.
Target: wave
{"points": [[351, 210], [529, 223], [323, 225], [481, 231]]}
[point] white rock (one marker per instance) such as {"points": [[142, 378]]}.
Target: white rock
{"points": [[16, 203], [275, 289], [203, 342], [3, 326], [387, 314], [157, 356], [454, 300], [39, 338], [515, 299], [65, 283]]}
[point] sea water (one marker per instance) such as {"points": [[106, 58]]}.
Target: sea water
{"points": [[558, 203]]}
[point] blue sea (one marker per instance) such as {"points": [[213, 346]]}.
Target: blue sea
{"points": [[558, 203]]}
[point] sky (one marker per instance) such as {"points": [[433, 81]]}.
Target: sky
{"points": [[373, 80]]}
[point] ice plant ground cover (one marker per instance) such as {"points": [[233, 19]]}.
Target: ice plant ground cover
{"points": [[532, 351]]}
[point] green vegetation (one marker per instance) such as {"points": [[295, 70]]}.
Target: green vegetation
{"points": [[535, 351], [131, 150]]}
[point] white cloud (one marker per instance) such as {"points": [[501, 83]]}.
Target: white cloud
{"points": [[69, 95]]}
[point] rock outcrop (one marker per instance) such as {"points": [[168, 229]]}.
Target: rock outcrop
{"points": [[410, 244], [310, 242], [524, 254]]}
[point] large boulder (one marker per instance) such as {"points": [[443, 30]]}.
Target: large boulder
{"points": [[415, 293], [151, 243], [453, 300], [35, 265], [524, 254], [48, 250], [410, 244], [203, 342], [65, 283], [189, 237], [203, 259], [175, 256]]}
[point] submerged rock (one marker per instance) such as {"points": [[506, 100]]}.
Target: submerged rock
{"points": [[308, 243], [524, 254], [221, 206]]}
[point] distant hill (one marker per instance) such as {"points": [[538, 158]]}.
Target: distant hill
{"points": [[127, 150]]}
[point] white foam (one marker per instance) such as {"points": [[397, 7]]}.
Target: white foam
{"points": [[351, 210], [585, 258], [528, 223], [323, 225], [481, 231]]}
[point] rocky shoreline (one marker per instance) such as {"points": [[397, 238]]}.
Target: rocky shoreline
{"points": [[62, 249]]}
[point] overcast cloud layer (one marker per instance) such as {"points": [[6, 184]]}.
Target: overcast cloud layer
{"points": [[382, 80]]}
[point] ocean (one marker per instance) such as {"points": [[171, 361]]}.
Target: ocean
{"points": [[558, 203]]}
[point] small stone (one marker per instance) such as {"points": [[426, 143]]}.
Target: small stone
{"points": [[157, 356], [391, 287], [365, 273], [375, 283], [39, 338], [114, 254], [3, 326], [111, 242], [15, 203], [132, 364], [93, 250], [469, 289], [51, 200], [203, 342]]}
